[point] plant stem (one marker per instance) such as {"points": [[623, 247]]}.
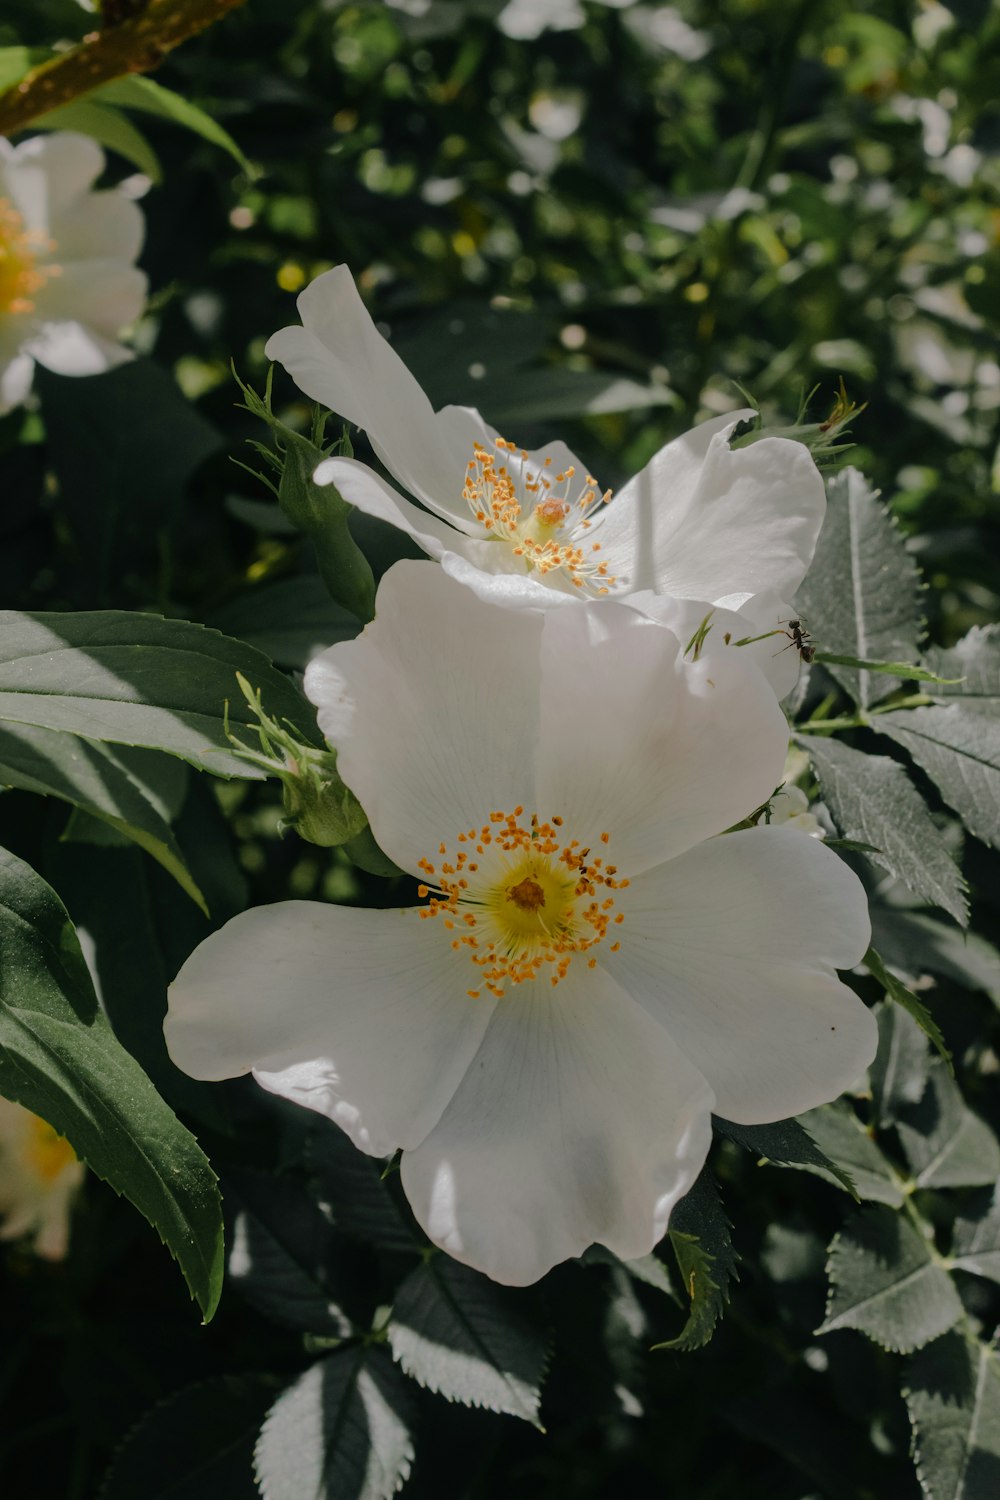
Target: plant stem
{"points": [[135, 45]]}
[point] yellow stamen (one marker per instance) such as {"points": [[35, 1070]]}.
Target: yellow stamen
{"points": [[21, 277], [47, 1152]]}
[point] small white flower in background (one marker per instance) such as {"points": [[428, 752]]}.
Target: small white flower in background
{"points": [[39, 1178], [790, 808], [592, 971], [68, 283], [703, 522]]}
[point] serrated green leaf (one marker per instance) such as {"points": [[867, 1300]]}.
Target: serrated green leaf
{"points": [[872, 799], [60, 1059], [700, 1239], [139, 680], [841, 1137], [975, 660], [117, 786], [885, 1282], [360, 1199], [788, 1144], [915, 944], [899, 1073], [109, 127], [860, 597], [975, 1239], [944, 1143], [907, 670], [952, 1392], [195, 1445], [458, 1334], [958, 746], [899, 994], [341, 1431], [150, 97]]}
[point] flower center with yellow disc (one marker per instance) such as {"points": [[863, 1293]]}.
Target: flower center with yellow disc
{"points": [[21, 277], [47, 1152], [521, 901], [546, 517]]}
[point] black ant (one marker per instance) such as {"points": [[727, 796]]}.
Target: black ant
{"points": [[800, 638]]}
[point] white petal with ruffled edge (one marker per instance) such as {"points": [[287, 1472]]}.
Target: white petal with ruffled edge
{"points": [[703, 520], [578, 1120], [733, 948], [360, 1015], [762, 617]]}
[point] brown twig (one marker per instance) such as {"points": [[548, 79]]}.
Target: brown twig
{"points": [[133, 45]]}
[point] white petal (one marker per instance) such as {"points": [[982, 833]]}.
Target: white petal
{"points": [[362, 487], [702, 521], [339, 358], [734, 947], [72, 349], [46, 173], [577, 1121], [488, 568], [433, 710], [15, 381], [759, 615], [656, 751], [360, 1015], [101, 225], [104, 295]]}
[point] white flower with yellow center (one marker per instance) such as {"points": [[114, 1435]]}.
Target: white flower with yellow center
{"points": [[39, 1178], [590, 970], [701, 522], [68, 284]]}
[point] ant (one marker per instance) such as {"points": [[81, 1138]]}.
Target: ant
{"points": [[800, 638]]}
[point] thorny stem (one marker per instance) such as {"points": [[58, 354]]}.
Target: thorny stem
{"points": [[135, 44]]}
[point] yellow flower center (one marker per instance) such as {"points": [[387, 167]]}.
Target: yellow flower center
{"points": [[520, 900], [46, 1151], [543, 516], [20, 275]]}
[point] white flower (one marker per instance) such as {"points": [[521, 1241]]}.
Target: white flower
{"points": [[591, 971], [39, 1178], [700, 522], [790, 807], [68, 284]]}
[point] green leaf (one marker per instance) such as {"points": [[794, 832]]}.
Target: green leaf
{"points": [[958, 746], [975, 1238], [460, 1335], [340, 1430], [283, 1254], [860, 597], [975, 661], [905, 669], [120, 787], [914, 944], [899, 994], [885, 1281], [109, 127], [144, 94], [841, 1136], [352, 1186], [900, 1070], [195, 1445], [944, 1143], [789, 1144], [699, 1237], [60, 1059], [288, 621], [139, 680], [952, 1392], [15, 62], [873, 800]]}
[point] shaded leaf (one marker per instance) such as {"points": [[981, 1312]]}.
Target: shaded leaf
{"points": [[459, 1334], [975, 661], [945, 1144], [109, 127], [952, 1392], [699, 1237], [884, 1281], [914, 944], [975, 1240], [60, 1059], [958, 746], [339, 1432], [150, 97], [351, 1185], [841, 1137], [899, 1073], [787, 1143], [899, 994], [288, 621], [872, 799]]}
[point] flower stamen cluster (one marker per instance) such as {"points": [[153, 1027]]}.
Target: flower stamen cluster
{"points": [[521, 899], [21, 277], [537, 513]]}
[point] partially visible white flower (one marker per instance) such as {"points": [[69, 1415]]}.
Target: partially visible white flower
{"points": [[39, 1178], [700, 522], [593, 969], [790, 808], [68, 283]]}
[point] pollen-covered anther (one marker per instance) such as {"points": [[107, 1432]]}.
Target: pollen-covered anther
{"points": [[532, 903], [21, 277], [501, 490]]}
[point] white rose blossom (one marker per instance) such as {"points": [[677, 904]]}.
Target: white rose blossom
{"points": [[790, 809], [591, 970], [68, 283], [701, 522], [39, 1178]]}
